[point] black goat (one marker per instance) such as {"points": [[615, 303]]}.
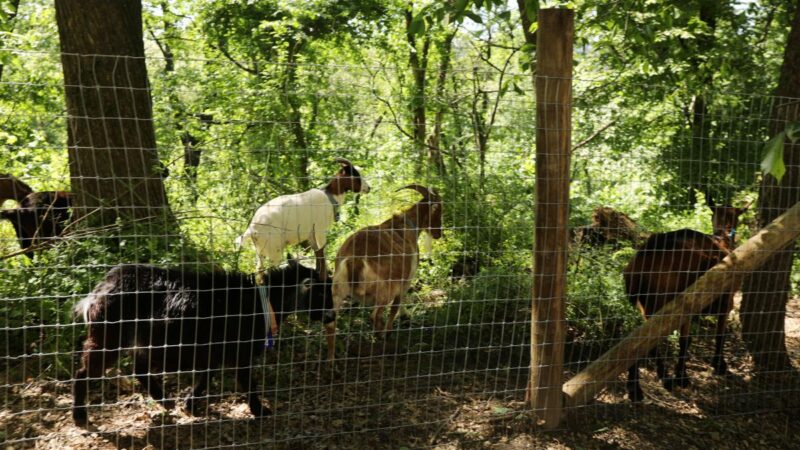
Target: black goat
{"points": [[39, 217], [175, 320]]}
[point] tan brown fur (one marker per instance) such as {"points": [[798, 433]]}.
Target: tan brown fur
{"points": [[376, 264]]}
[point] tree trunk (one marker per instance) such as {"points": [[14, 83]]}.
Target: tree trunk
{"points": [[295, 116], [763, 309], [700, 127], [528, 11], [114, 167], [435, 140], [418, 60]]}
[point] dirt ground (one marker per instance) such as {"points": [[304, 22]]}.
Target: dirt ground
{"points": [[415, 400]]}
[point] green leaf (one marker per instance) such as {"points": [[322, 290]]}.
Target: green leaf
{"points": [[793, 131], [501, 410], [505, 15], [772, 163], [475, 17], [460, 6], [417, 25]]}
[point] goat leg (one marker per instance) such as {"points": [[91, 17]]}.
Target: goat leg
{"points": [[393, 313], [246, 384], [330, 338], [94, 362], [190, 403], [635, 393], [141, 371], [321, 268], [718, 361], [681, 377]]}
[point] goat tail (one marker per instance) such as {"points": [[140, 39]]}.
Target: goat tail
{"points": [[81, 309], [89, 308]]}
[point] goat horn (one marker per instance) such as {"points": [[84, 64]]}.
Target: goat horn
{"points": [[342, 161], [427, 193]]}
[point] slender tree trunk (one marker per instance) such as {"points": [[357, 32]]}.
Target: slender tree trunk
{"points": [[435, 141], [528, 11], [114, 167], [700, 126], [418, 60], [763, 309], [296, 118]]}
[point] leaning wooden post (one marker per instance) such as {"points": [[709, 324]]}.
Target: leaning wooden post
{"points": [[553, 82], [725, 276]]}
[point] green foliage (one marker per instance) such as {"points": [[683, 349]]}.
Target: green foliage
{"points": [[772, 162], [269, 92], [597, 308]]}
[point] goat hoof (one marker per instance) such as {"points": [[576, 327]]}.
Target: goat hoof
{"points": [[720, 368], [194, 407], [80, 418], [261, 412], [636, 395], [671, 383]]}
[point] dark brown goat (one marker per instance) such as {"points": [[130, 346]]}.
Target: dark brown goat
{"points": [[376, 264], [12, 188], [176, 320], [39, 217], [663, 268]]}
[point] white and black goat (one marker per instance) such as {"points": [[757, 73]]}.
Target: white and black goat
{"points": [[376, 265], [175, 320], [304, 217]]}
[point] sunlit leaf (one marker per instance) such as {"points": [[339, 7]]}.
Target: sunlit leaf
{"points": [[772, 163]]}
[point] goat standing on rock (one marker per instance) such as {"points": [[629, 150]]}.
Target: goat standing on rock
{"points": [[307, 216], [173, 320], [376, 264]]}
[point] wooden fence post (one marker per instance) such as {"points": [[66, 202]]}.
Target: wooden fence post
{"points": [[553, 80], [725, 276]]}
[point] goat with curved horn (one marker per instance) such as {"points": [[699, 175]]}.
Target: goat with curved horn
{"points": [[376, 265], [428, 193]]}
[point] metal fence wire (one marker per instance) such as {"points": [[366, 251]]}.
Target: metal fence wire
{"points": [[158, 316]]}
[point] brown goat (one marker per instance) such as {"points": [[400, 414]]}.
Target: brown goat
{"points": [[663, 268], [376, 265], [12, 188]]}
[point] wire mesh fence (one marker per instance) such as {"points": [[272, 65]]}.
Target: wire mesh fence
{"points": [[205, 350]]}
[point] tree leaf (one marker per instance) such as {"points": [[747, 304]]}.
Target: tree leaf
{"points": [[793, 131], [474, 16], [460, 6], [417, 25], [772, 163]]}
